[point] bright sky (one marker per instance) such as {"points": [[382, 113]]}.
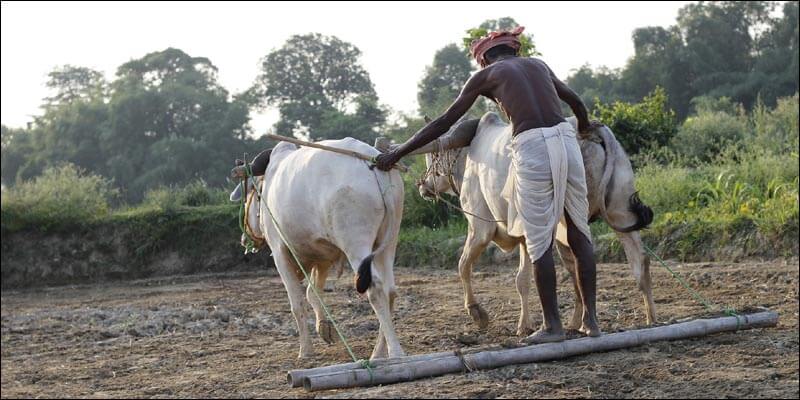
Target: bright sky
{"points": [[397, 39]]}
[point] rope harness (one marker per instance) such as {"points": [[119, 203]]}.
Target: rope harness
{"points": [[442, 164]]}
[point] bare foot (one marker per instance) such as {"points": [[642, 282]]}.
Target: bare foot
{"points": [[545, 336]]}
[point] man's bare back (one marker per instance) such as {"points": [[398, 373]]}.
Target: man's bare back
{"points": [[525, 88]]}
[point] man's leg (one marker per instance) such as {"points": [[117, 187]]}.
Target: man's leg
{"points": [[544, 273], [587, 276]]}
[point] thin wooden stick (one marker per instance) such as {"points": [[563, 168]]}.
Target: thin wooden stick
{"points": [[407, 371], [350, 153]]}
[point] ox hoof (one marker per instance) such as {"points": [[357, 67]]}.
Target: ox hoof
{"points": [[590, 330], [326, 331], [478, 315], [305, 354], [524, 330]]}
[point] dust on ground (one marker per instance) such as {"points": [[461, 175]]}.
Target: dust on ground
{"points": [[234, 336]]}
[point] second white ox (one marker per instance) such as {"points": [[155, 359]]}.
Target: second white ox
{"points": [[332, 208], [478, 173]]}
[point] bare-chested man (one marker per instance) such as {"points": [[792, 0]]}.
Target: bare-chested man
{"points": [[548, 173]]}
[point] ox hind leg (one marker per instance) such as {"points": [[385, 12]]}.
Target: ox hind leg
{"points": [[378, 292], [288, 271], [473, 247], [640, 263], [325, 328], [384, 264], [568, 259]]}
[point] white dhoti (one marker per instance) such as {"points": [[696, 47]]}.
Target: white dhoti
{"points": [[546, 177]]}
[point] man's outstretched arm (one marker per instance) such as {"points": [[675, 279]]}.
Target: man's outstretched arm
{"points": [[473, 88]]}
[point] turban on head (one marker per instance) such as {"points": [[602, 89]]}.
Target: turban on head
{"points": [[480, 46]]}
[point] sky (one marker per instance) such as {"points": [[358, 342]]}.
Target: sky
{"points": [[397, 40]]}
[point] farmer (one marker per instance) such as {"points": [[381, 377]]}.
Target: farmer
{"points": [[547, 167]]}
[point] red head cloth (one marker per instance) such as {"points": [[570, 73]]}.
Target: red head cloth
{"points": [[480, 46]]}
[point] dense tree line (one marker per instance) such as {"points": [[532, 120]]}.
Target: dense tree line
{"points": [[164, 119]]}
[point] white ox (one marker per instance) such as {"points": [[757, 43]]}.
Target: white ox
{"points": [[477, 175], [332, 208]]}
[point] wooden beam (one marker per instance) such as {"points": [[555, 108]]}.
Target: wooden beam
{"points": [[411, 368]]}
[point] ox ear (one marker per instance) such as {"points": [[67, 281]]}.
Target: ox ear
{"points": [[236, 194], [383, 143], [427, 119]]}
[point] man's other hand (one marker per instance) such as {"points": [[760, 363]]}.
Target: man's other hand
{"points": [[588, 126]]}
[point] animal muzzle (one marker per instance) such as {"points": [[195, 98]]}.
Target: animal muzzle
{"points": [[426, 191]]}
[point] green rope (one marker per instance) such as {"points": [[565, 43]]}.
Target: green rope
{"points": [[702, 300], [364, 363], [249, 243]]}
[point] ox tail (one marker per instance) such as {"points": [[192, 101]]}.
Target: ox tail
{"points": [[643, 213], [363, 279], [364, 276]]}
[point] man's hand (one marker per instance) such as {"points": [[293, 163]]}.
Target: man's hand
{"points": [[385, 161], [585, 127]]}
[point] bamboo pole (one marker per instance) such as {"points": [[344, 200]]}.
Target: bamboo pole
{"points": [[422, 368], [295, 377], [350, 153]]}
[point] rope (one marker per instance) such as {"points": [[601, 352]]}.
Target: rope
{"points": [[697, 296], [249, 242], [364, 363], [442, 164], [445, 201]]}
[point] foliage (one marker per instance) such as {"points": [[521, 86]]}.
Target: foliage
{"points": [[315, 80], [164, 120], [640, 126], [527, 46], [62, 196], [705, 136], [717, 49]]}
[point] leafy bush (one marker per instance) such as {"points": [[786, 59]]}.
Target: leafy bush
{"points": [[706, 135], [195, 194], [777, 130], [61, 196], [640, 126]]}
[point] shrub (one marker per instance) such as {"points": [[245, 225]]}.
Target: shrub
{"points": [[648, 124], [706, 135], [195, 194], [776, 130], [62, 196]]}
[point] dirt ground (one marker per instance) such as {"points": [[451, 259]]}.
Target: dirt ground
{"points": [[234, 336]]}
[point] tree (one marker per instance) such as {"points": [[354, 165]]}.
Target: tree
{"points": [[717, 49], [310, 79], [443, 80], [72, 83], [527, 46], [170, 123]]}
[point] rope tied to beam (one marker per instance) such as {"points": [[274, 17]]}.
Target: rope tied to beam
{"points": [[729, 311]]}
